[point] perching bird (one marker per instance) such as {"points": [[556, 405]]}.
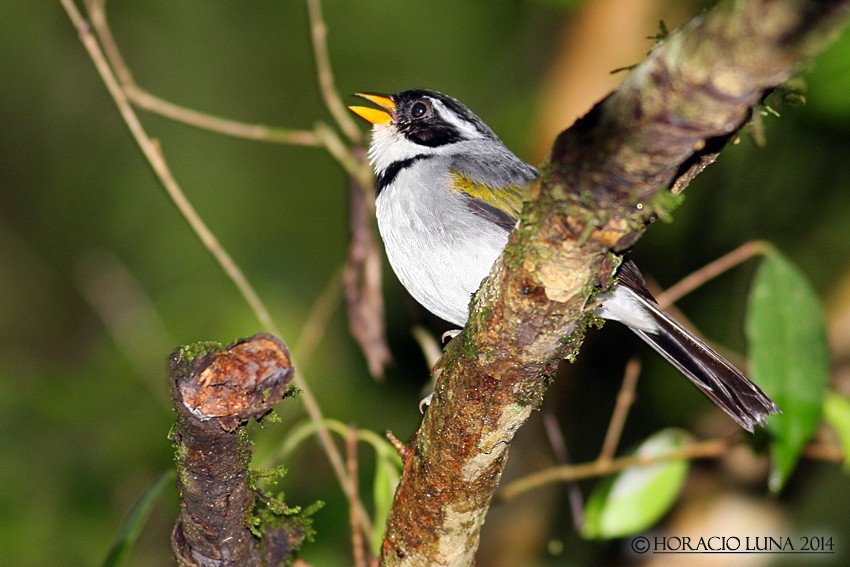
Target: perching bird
{"points": [[448, 194]]}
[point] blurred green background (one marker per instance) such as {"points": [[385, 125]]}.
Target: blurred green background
{"points": [[100, 278]]}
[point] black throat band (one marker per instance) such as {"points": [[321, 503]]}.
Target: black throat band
{"points": [[389, 174]]}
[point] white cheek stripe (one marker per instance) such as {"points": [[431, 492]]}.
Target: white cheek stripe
{"points": [[467, 130]]}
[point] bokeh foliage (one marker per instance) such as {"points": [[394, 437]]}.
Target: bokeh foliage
{"points": [[83, 412]]}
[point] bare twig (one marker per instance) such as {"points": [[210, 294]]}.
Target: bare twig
{"points": [[319, 34], [370, 334], [710, 449], [153, 154], [356, 167], [625, 399], [152, 103], [699, 450], [315, 325], [710, 271], [357, 546], [97, 16], [258, 132], [427, 344], [400, 448], [559, 448]]}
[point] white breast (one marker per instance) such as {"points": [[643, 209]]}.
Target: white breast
{"points": [[438, 249]]}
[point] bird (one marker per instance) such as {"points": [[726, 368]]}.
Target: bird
{"points": [[449, 192]]}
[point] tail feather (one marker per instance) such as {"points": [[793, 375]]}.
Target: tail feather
{"points": [[715, 377]]}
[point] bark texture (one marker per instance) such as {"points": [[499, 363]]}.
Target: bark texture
{"points": [[216, 391], [607, 178]]}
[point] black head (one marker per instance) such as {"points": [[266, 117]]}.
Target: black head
{"points": [[432, 119]]}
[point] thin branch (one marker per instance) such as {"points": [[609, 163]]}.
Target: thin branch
{"points": [[700, 450], [710, 449], [429, 346], [153, 154], [358, 549], [559, 448], [625, 399], [400, 448], [357, 168], [258, 132], [710, 271], [152, 103], [315, 325], [97, 16], [319, 35]]}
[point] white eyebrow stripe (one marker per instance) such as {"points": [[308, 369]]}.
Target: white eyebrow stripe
{"points": [[467, 130]]}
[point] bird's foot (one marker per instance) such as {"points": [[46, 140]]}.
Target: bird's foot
{"points": [[426, 401], [449, 335]]}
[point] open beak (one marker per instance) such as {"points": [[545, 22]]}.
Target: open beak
{"points": [[374, 115]]}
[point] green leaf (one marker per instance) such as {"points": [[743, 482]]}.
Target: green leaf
{"points": [[789, 358], [135, 520], [387, 475], [836, 410], [638, 497]]}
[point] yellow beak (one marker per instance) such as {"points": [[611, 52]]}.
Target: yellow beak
{"points": [[374, 115]]}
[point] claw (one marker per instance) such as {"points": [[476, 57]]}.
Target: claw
{"points": [[426, 401], [448, 335]]}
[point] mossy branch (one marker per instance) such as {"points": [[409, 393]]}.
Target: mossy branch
{"points": [[606, 179], [216, 390]]}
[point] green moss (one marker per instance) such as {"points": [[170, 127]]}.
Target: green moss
{"points": [[533, 395], [271, 512], [292, 392], [184, 356], [514, 255], [662, 34], [271, 417], [663, 204], [594, 321], [271, 476], [462, 347], [191, 351]]}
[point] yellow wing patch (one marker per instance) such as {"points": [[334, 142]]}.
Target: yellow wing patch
{"points": [[506, 199]]}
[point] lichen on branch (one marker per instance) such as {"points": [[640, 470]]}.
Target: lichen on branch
{"points": [[606, 179]]}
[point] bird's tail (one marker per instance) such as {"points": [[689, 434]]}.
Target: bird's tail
{"points": [[716, 377]]}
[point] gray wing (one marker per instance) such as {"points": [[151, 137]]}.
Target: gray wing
{"points": [[496, 164], [498, 177]]}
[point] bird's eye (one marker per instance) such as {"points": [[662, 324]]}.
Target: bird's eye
{"points": [[418, 110]]}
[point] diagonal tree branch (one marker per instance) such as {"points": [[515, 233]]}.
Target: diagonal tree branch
{"points": [[606, 179]]}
